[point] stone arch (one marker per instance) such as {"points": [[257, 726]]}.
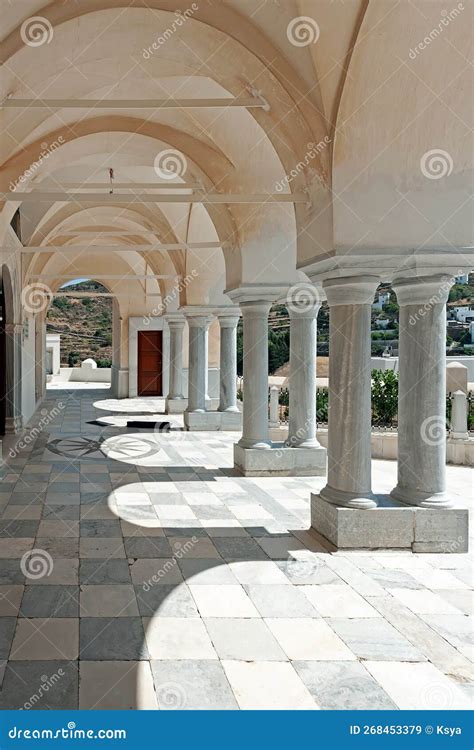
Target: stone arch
{"points": [[288, 94], [10, 334]]}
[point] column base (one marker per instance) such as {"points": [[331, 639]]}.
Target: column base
{"points": [[210, 421], [13, 425], [364, 501], [291, 443], [421, 499], [175, 405], [119, 383], [391, 525], [279, 460]]}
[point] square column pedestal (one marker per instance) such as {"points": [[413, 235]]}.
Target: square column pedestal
{"points": [[175, 405], [199, 414], [179, 405], [280, 460], [210, 421], [391, 525]]}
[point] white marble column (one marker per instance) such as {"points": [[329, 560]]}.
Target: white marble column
{"points": [[274, 418], [422, 391], [228, 362], [255, 371], [198, 361], [303, 307], [13, 416], [176, 326], [349, 449]]}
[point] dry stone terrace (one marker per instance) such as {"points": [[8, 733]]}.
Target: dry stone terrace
{"points": [[160, 579]]}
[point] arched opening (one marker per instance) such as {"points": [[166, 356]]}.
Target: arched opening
{"points": [[10, 358], [3, 366], [79, 335], [300, 167]]}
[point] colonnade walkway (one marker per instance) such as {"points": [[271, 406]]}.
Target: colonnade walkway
{"points": [[138, 571]]}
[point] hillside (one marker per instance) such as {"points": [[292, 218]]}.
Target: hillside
{"points": [[85, 325]]}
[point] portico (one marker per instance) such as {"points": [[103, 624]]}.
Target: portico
{"points": [[204, 168], [255, 454], [198, 414]]}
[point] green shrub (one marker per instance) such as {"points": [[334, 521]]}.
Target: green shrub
{"points": [[384, 396], [104, 362], [62, 303], [73, 358], [322, 404]]}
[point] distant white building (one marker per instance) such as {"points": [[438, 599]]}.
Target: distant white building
{"points": [[53, 353], [383, 299], [464, 314], [462, 279], [471, 331]]}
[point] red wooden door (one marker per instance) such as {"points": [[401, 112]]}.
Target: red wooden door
{"points": [[150, 363]]}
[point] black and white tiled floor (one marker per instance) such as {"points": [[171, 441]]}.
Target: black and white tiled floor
{"points": [[136, 571]]}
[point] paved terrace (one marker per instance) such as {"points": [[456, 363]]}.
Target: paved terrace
{"points": [[161, 580]]}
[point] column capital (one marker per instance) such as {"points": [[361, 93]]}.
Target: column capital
{"points": [[304, 299], [229, 318], [198, 315], [175, 319], [421, 290], [249, 293], [258, 308], [351, 290], [199, 321]]}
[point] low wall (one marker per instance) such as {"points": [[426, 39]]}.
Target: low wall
{"points": [[385, 445], [104, 375], [84, 375]]}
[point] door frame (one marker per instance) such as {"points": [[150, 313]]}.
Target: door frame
{"points": [[148, 324], [153, 348]]}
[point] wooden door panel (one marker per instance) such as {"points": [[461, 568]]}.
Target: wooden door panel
{"points": [[150, 363]]}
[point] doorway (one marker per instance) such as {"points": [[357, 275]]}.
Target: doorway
{"points": [[150, 363]]}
